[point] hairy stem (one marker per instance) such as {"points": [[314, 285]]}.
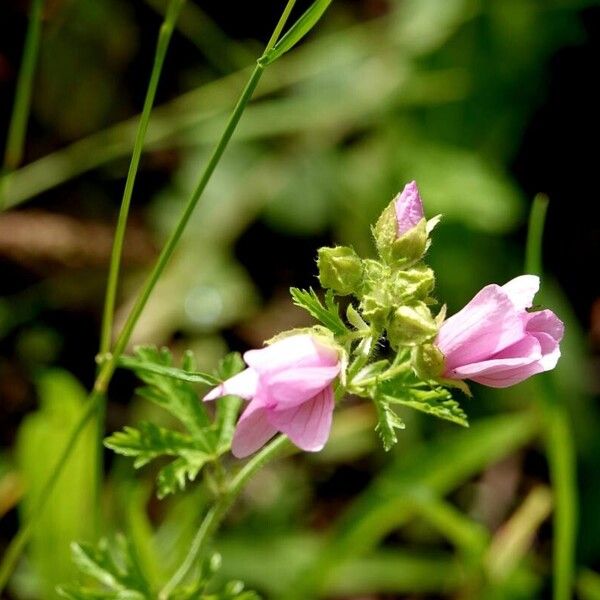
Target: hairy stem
{"points": [[219, 510], [15, 141]]}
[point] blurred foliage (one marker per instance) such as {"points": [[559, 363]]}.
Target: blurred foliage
{"points": [[434, 90]]}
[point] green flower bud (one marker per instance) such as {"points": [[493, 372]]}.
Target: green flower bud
{"points": [[411, 284], [375, 306], [411, 325], [428, 361], [340, 269]]}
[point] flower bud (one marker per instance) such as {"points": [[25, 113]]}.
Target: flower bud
{"points": [[428, 361], [411, 284], [340, 269], [401, 230], [375, 306], [411, 325]]}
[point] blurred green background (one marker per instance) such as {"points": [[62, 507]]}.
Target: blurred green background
{"points": [[484, 103]]}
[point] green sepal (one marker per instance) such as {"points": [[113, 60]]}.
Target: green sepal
{"points": [[411, 325]]}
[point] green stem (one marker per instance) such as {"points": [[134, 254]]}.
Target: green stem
{"points": [[108, 368], [17, 544], [164, 37], [15, 141], [219, 510], [558, 437], [106, 371]]}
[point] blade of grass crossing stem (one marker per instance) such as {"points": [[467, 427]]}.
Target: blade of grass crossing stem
{"points": [[17, 545], [15, 141], [108, 368], [162, 44], [560, 449]]}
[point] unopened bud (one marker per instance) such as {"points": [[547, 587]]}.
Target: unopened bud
{"points": [[411, 325], [340, 269]]}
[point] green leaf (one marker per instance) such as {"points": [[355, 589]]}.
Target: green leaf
{"points": [[114, 568], [151, 441], [297, 31], [388, 422], [191, 449], [174, 395], [436, 401], [329, 314], [185, 374]]}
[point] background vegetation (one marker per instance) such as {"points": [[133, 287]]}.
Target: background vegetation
{"points": [[484, 103]]}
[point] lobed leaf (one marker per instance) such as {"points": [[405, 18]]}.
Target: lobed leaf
{"points": [[329, 314]]}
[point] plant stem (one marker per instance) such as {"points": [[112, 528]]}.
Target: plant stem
{"points": [[106, 371], [108, 368], [218, 511], [560, 449], [17, 544], [15, 141], [164, 37]]}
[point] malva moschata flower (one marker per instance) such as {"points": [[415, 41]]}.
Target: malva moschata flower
{"points": [[494, 340], [289, 385]]}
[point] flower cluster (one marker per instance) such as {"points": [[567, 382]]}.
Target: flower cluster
{"points": [[497, 340]]}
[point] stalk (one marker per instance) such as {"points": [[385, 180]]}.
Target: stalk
{"points": [[15, 141]]}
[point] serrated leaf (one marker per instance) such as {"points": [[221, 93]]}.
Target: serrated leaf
{"points": [[388, 422], [151, 441], [297, 31], [175, 476], [114, 568], [174, 395], [436, 401], [329, 314], [187, 373]]}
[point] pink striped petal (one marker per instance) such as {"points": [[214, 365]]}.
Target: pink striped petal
{"points": [[485, 326], [409, 208], [243, 384], [307, 425], [286, 389], [253, 430], [294, 351]]}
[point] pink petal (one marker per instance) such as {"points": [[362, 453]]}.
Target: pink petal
{"points": [[243, 384], [486, 325], [309, 424], [294, 351], [521, 290], [550, 351], [525, 352], [409, 208], [253, 430], [545, 321], [289, 388]]}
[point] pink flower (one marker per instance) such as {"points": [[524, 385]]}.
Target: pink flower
{"points": [[409, 208], [289, 385], [494, 340]]}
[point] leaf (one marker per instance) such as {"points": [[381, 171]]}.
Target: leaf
{"points": [[191, 449], [436, 401], [389, 421], [328, 315], [41, 439], [114, 568], [297, 31], [139, 366], [178, 397], [151, 441]]}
